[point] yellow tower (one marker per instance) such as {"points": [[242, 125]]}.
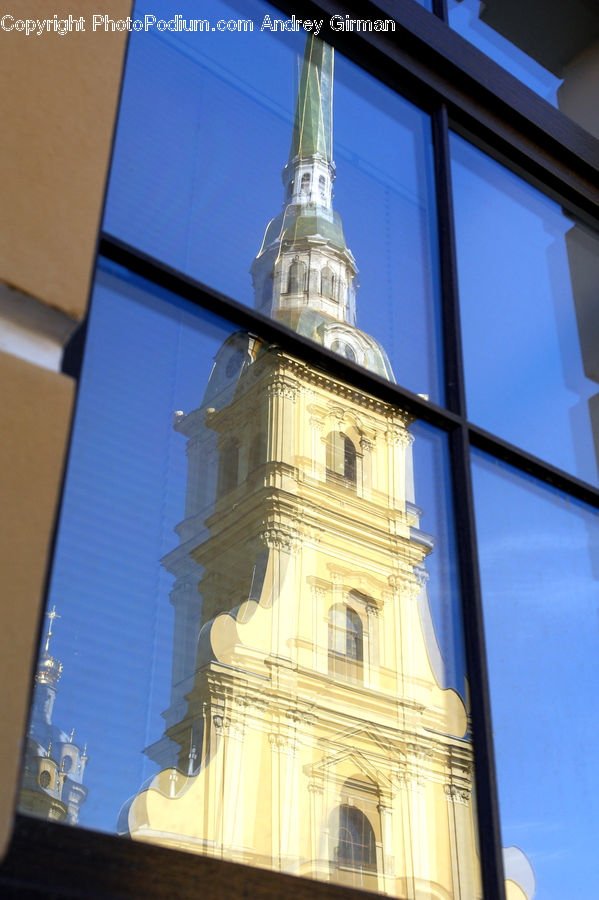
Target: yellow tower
{"points": [[307, 731]]}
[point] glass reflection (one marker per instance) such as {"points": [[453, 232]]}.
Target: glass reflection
{"points": [[472, 19], [312, 693], [552, 48], [208, 121], [302, 679], [314, 698], [528, 276], [54, 765], [539, 557]]}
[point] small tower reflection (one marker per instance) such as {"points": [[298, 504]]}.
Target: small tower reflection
{"points": [[52, 786]]}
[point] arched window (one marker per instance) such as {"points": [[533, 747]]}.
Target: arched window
{"points": [[297, 276], [349, 461], [356, 848], [341, 459], [45, 778], [327, 283], [322, 183], [344, 350], [305, 182], [229, 467], [346, 644]]}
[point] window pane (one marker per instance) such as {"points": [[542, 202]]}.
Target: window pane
{"points": [[215, 722], [539, 553], [528, 276], [210, 121], [552, 47]]}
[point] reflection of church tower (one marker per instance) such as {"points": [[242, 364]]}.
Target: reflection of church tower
{"points": [[307, 731], [53, 769], [304, 275]]}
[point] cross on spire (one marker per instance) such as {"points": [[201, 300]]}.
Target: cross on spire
{"points": [[51, 615]]}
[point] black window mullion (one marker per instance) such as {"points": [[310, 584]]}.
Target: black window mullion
{"points": [[163, 276], [533, 465], [440, 9], [455, 392], [455, 397], [485, 780]]}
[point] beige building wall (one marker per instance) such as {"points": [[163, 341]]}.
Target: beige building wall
{"points": [[57, 106]]}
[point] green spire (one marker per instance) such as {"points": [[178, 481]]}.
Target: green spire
{"points": [[313, 123]]}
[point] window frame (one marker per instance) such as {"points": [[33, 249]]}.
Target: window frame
{"points": [[344, 814], [427, 62]]}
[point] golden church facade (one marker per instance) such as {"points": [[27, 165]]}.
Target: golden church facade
{"points": [[307, 730], [314, 712]]}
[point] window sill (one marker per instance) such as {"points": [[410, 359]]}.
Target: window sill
{"points": [[55, 861]]}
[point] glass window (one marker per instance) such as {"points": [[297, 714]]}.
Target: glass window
{"points": [[356, 847], [307, 661], [209, 124], [539, 558], [253, 644], [552, 47], [528, 275], [346, 643], [342, 459]]}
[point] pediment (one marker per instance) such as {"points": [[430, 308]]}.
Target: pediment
{"points": [[367, 756]]}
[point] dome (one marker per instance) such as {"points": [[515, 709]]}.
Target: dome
{"points": [[49, 670], [304, 221], [332, 334]]}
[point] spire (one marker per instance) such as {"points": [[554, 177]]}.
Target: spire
{"points": [[305, 275], [51, 615], [313, 123], [49, 669]]}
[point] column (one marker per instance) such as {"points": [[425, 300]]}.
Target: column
{"points": [[319, 861], [386, 870], [371, 656]]}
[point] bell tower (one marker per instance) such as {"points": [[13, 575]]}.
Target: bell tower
{"points": [[52, 784], [307, 730]]}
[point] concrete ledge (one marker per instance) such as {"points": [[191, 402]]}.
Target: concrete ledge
{"points": [[35, 416]]}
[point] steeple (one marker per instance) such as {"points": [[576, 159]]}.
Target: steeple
{"points": [[47, 676], [310, 171], [313, 123], [304, 275]]}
